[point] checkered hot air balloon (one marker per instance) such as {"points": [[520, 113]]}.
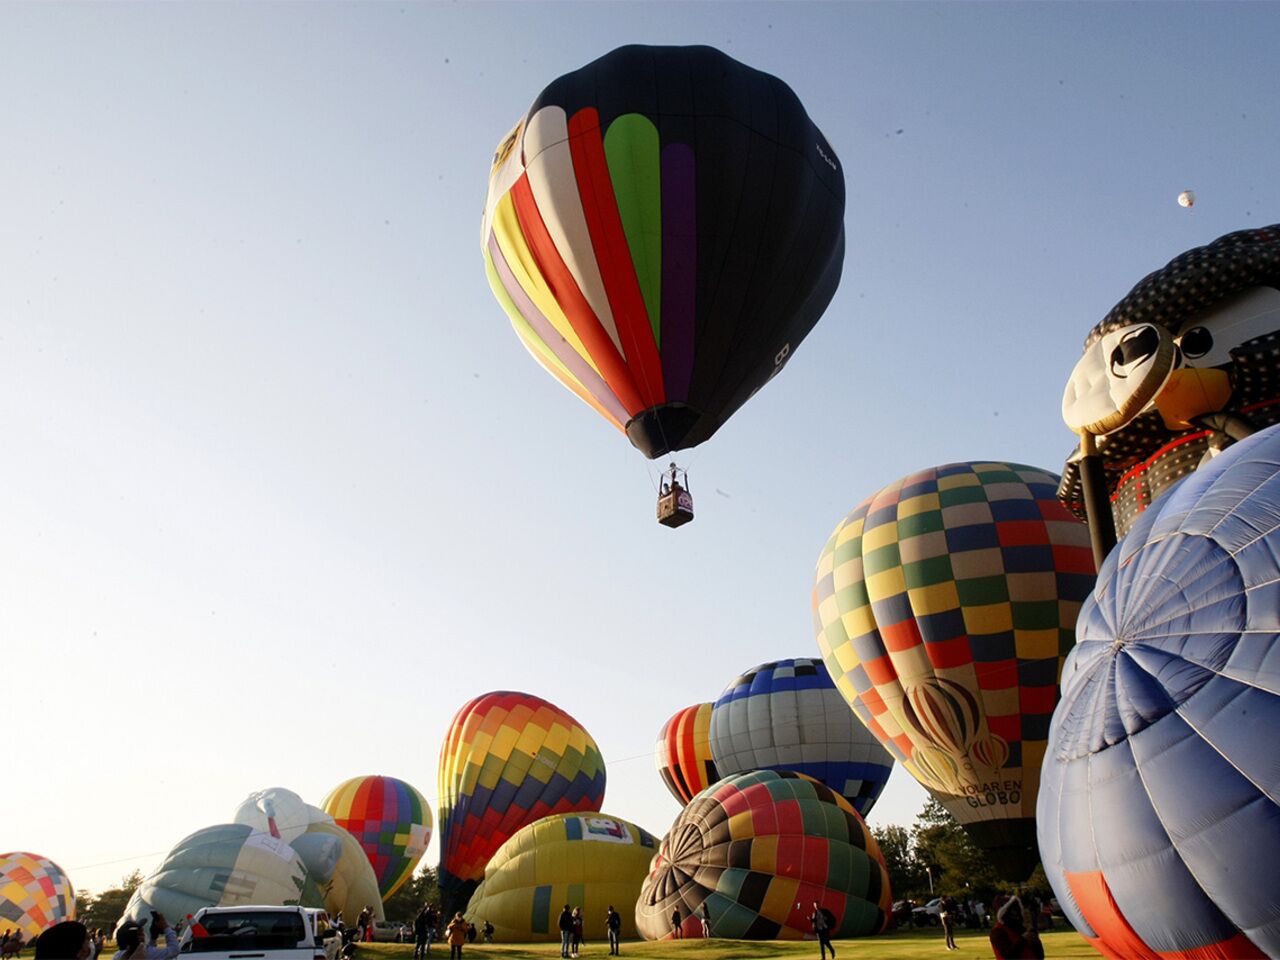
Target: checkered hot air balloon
{"points": [[788, 715], [508, 759], [683, 753], [1159, 812], [34, 894], [944, 606], [759, 849], [664, 227], [390, 819]]}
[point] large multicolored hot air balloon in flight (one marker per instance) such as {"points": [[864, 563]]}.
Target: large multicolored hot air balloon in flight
{"points": [[229, 864], [34, 894], [664, 227], [759, 849], [391, 820], [788, 715], [944, 605], [508, 759], [683, 753], [1159, 813], [587, 860]]}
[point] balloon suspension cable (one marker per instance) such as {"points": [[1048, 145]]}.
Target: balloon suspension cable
{"points": [[1097, 502]]}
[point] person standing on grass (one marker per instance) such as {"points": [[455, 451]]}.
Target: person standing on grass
{"points": [[613, 923], [675, 923], [823, 921], [705, 916], [566, 930], [947, 914], [577, 931], [456, 932]]}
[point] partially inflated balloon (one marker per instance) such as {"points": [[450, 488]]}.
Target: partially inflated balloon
{"points": [[508, 759], [590, 861], [943, 606], [221, 866], [1159, 814], [663, 228], [338, 865], [759, 849], [788, 715], [683, 753], [279, 812], [391, 820], [34, 894]]}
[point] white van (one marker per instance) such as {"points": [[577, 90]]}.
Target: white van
{"points": [[261, 933]]}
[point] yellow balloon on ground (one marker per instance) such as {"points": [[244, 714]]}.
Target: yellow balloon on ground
{"points": [[338, 865], [587, 860]]}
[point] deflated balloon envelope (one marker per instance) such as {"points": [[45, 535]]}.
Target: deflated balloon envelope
{"points": [[788, 715], [759, 849], [1158, 814], [279, 812], [683, 752], [943, 606], [508, 759], [587, 860], [664, 227], [34, 894], [227, 864]]}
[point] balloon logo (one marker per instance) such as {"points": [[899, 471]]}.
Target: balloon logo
{"points": [[663, 228], [943, 606], [942, 711]]}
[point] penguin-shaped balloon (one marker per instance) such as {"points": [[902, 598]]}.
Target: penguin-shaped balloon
{"points": [[1185, 364]]}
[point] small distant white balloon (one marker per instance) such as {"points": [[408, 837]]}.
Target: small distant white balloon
{"points": [[1187, 198]]}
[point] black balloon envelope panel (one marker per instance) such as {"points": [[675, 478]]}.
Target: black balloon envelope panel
{"points": [[1158, 815], [1193, 343], [663, 228]]}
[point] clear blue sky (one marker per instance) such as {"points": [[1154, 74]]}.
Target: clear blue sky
{"points": [[280, 487]]}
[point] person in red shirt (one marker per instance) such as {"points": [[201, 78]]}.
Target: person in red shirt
{"points": [[1010, 938]]}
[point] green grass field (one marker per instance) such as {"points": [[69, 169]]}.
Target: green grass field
{"points": [[899, 945]]}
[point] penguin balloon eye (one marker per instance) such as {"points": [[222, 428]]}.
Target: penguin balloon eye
{"points": [[1133, 349], [1196, 342]]}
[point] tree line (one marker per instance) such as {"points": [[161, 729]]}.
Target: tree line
{"points": [[935, 856]]}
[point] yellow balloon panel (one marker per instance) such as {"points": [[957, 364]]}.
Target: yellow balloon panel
{"points": [[353, 885], [34, 894], [590, 861]]}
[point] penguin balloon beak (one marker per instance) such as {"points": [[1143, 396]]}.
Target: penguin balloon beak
{"points": [[1192, 392]]}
